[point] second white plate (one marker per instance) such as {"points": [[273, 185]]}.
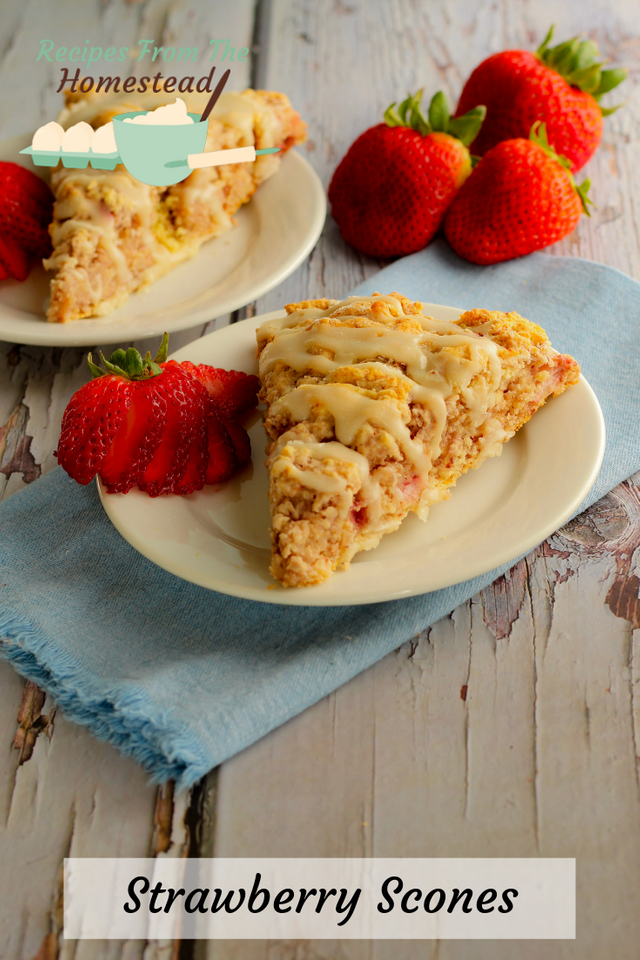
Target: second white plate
{"points": [[274, 233], [219, 537]]}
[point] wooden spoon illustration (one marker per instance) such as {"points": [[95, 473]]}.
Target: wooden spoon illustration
{"points": [[215, 96], [217, 157]]}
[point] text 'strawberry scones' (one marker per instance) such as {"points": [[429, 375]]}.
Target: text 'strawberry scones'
{"points": [[112, 234], [375, 410]]}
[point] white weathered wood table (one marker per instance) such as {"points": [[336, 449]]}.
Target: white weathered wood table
{"points": [[510, 728]]}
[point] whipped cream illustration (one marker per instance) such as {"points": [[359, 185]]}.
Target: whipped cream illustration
{"points": [[104, 140], [49, 137], [172, 113], [77, 139]]}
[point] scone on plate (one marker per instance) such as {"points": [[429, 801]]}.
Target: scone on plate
{"points": [[375, 410], [112, 234]]}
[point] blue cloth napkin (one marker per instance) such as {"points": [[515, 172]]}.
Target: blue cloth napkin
{"points": [[180, 677]]}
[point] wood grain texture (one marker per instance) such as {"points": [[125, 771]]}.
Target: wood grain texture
{"points": [[510, 728], [62, 790]]}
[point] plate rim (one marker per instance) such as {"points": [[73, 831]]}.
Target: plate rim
{"points": [[283, 597], [43, 334]]}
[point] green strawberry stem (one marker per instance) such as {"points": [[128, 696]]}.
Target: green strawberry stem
{"points": [[409, 114], [577, 61], [130, 364], [538, 134]]}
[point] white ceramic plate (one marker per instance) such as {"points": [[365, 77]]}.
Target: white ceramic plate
{"points": [[219, 537], [273, 235]]}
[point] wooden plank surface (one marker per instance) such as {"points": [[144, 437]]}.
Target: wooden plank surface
{"points": [[509, 728]]}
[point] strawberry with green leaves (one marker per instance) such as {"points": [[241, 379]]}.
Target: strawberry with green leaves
{"points": [[155, 425], [521, 197], [392, 189], [560, 86]]}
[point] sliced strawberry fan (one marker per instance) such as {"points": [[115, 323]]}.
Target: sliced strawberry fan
{"points": [[156, 424]]}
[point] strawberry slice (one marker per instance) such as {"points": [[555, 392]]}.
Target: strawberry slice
{"points": [[137, 439], [13, 258], [169, 462], [222, 457], [239, 438], [235, 392], [24, 185], [19, 223], [195, 474], [26, 210], [89, 424], [227, 447]]}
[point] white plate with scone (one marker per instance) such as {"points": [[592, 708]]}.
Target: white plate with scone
{"points": [[125, 278], [220, 537]]}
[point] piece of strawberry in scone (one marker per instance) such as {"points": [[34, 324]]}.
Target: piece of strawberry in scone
{"points": [[376, 409]]}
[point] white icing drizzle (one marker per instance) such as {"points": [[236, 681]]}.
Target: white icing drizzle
{"points": [[79, 211], [351, 409], [282, 463], [307, 342]]}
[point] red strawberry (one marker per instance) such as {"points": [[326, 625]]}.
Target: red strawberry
{"points": [[233, 391], [195, 475], [89, 424], [137, 439], [391, 191], [239, 438], [27, 228], [146, 422], [26, 210], [222, 455], [185, 427], [560, 86], [521, 197], [25, 185], [13, 258]]}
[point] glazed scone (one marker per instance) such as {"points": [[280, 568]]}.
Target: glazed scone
{"points": [[112, 234], [375, 410]]}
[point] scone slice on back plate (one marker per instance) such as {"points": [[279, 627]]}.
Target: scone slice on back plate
{"points": [[112, 234], [375, 410]]}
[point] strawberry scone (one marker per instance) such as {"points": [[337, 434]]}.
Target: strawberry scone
{"points": [[375, 410], [113, 234]]}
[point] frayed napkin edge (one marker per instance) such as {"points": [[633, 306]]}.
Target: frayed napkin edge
{"points": [[122, 721]]}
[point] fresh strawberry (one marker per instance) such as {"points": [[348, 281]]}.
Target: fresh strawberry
{"points": [[185, 426], [89, 424], [560, 86], [26, 210], [137, 439], [233, 391], [222, 456], [391, 191], [521, 197], [239, 438], [25, 185], [148, 423], [18, 223], [13, 258]]}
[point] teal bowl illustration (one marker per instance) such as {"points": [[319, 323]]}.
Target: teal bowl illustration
{"points": [[157, 153]]}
